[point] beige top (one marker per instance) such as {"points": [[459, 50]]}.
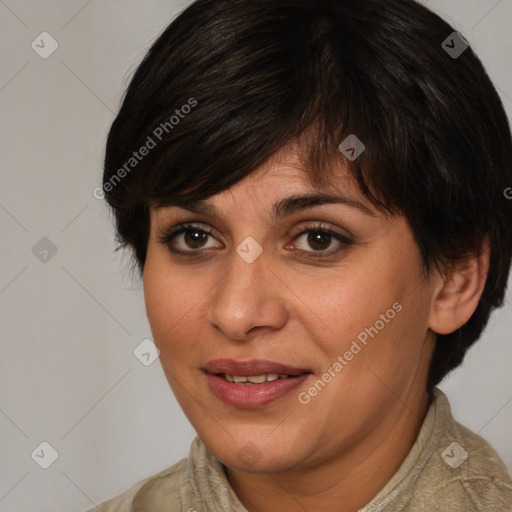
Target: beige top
{"points": [[449, 468]]}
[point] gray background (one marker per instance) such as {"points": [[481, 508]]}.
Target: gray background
{"points": [[70, 324]]}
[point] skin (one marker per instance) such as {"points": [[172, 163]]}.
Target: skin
{"points": [[337, 451]]}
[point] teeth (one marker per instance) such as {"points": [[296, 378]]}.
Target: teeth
{"points": [[257, 379], [254, 379]]}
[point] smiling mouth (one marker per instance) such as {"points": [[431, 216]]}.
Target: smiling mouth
{"points": [[254, 368], [252, 384]]}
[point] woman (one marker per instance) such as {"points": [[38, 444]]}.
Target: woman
{"points": [[314, 193]]}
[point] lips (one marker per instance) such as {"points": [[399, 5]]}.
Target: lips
{"points": [[241, 392]]}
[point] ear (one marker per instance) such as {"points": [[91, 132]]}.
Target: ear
{"points": [[459, 290]]}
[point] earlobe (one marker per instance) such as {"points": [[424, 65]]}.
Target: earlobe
{"points": [[458, 293]]}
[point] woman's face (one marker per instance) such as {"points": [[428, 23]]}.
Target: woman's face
{"points": [[329, 295]]}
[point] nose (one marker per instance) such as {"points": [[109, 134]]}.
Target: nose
{"points": [[249, 298]]}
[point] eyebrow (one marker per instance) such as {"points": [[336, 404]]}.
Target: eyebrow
{"points": [[281, 208]]}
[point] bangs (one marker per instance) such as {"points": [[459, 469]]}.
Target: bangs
{"points": [[254, 96]]}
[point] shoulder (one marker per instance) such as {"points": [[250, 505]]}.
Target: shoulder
{"points": [[464, 471], [161, 490], [197, 482]]}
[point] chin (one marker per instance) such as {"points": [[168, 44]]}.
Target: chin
{"points": [[255, 452]]}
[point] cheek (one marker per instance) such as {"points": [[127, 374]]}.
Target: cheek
{"points": [[375, 315], [353, 301], [160, 303], [169, 298]]}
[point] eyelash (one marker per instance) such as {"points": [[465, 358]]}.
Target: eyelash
{"points": [[167, 237]]}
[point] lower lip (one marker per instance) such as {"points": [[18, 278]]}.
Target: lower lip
{"points": [[253, 396]]}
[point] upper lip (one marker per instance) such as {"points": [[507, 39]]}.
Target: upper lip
{"points": [[251, 367]]}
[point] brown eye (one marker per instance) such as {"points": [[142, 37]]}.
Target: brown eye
{"points": [[319, 240], [195, 238], [188, 240]]}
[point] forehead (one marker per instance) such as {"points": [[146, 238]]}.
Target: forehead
{"points": [[282, 186]]}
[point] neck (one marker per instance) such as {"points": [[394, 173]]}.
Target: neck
{"points": [[345, 482]]}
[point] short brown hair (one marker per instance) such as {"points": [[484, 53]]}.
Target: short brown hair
{"points": [[263, 73]]}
